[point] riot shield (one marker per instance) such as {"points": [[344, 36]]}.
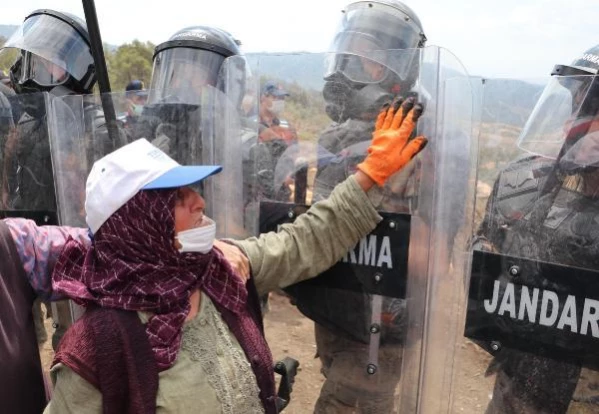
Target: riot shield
{"points": [[80, 137], [526, 335], [27, 186], [369, 310], [27, 191], [172, 123]]}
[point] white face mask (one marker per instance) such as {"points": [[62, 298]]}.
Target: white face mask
{"points": [[198, 239], [137, 110], [278, 106]]}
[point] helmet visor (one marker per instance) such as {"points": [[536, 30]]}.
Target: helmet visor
{"points": [[366, 34], [564, 118], [180, 74], [55, 41], [361, 59], [41, 71]]}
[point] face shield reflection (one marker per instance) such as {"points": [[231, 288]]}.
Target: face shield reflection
{"points": [[362, 60], [41, 71], [351, 60], [561, 116], [180, 74]]}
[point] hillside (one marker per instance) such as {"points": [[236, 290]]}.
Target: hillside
{"points": [[7, 29]]}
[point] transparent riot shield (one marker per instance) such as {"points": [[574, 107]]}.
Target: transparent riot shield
{"points": [[27, 184], [27, 192], [365, 317], [526, 327], [173, 123], [80, 137]]}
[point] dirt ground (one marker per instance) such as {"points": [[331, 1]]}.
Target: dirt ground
{"points": [[291, 334]]}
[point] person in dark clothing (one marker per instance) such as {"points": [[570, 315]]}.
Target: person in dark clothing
{"points": [[54, 57], [186, 71], [374, 63], [544, 207]]}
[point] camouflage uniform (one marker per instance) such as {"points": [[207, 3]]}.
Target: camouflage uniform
{"points": [[535, 213], [342, 317]]}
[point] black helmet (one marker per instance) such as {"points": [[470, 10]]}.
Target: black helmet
{"points": [[564, 124], [54, 52], [190, 59], [375, 57]]}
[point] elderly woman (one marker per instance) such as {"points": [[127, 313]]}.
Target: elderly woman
{"points": [[169, 326]]}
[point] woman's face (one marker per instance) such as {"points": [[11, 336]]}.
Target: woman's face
{"points": [[189, 209]]}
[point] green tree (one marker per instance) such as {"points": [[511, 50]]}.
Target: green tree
{"points": [[128, 62], [8, 57]]}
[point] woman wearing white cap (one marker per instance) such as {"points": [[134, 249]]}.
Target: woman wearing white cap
{"points": [[169, 326]]}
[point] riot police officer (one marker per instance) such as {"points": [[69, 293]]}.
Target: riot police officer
{"points": [[544, 208], [186, 67], [53, 56], [53, 59], [362, 75]]}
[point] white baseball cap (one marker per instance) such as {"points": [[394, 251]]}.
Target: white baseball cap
{"points": [[117, 177]]}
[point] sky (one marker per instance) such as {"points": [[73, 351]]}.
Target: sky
{"points": [[508, 38]]}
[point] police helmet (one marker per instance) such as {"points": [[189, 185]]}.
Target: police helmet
{"points": [[564, 124], [191, 59], [375, 51], [53, 50]]}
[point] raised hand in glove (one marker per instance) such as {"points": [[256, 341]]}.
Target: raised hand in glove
{"points": [[391, 148]]}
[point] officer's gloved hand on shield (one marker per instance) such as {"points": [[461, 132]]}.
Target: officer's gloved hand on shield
{"points": [[391, 148]]}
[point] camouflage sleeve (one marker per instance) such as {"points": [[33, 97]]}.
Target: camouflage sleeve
{"points": [[39, 248], [314, 242]]}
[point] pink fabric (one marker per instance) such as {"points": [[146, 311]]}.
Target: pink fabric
{"points": [[39, 247], [133, 265]]}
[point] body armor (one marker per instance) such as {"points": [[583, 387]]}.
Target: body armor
{"points": [[535, 214]]}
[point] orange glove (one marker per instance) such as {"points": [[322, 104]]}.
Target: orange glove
{"points": [[390, 149]]}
